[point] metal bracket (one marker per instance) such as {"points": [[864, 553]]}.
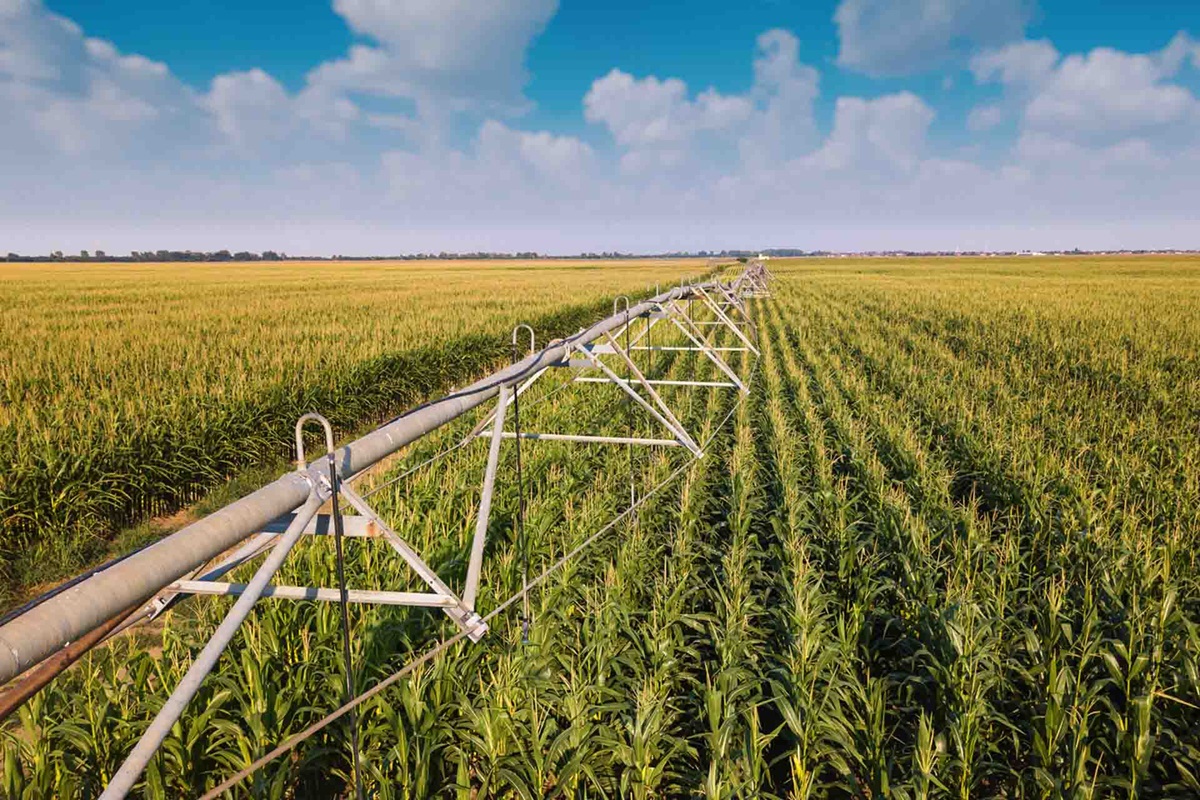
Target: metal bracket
{"points": [[367, 524]]}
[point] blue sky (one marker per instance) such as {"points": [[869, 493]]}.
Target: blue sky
{"points": [[375, 126]]}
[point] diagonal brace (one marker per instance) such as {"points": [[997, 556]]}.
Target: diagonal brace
{"points": [[725, 318], [475, 565], [680, 434], [697, 337], [738, 304], [654, 395], [460, 613]]}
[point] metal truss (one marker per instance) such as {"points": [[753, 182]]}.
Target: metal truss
{"points": [[719, 308]]}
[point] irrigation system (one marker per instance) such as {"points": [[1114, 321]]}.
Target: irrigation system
{"points": [[44, 637]]}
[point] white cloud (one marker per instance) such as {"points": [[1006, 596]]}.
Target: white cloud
{"points": [[1106, 145], [1109, 95], [254, 111], [661, 125], [656, 119], [561, 160], [505, 177], [1057, 154], [901, 37], [648, 112], [448, 55], [250, 106], [887, 133], [77, 95], [1021, 63], [1101, 98], [786, 90]]}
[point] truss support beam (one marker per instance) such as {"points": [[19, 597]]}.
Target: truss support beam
{"points": [[739, 305], [462, 615], [423, 599], [654, 395], [694, 349], [475, 565], [586, 439], [353, 525], [680, 434], [697, 337], [725, 318], [695, 384], [173, 709]]}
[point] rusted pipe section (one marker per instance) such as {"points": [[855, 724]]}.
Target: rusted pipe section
{"points": [[15, 696]]}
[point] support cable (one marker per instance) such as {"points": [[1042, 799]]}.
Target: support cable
{"points": [[347, 657], [522, 545], [628, 409]]}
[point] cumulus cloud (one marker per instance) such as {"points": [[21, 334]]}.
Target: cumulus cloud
{"points": [[660, 124], [253, 111], [561, 160], [1102, 98], [785, 90], [447, 55], [76, 95], [250, 106], [885, 134], [504, 177], [648, 112], [1024, 63], [902, 37], [435, 159], [1109, 95]]}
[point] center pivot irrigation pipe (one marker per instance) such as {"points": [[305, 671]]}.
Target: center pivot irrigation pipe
{"points": [[70, 615]]}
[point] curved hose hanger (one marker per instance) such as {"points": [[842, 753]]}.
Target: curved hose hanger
{"points": [[311, 416], [532, 340]]}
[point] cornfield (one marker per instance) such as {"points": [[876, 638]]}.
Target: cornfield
{"points": [[945, 548], [129, 390]]}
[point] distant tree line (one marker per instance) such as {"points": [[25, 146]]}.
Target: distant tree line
{"points": [[777, 252], [154, 255], [246, 255]]}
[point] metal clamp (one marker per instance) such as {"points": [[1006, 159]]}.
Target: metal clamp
{"points": [[309, 417]]}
